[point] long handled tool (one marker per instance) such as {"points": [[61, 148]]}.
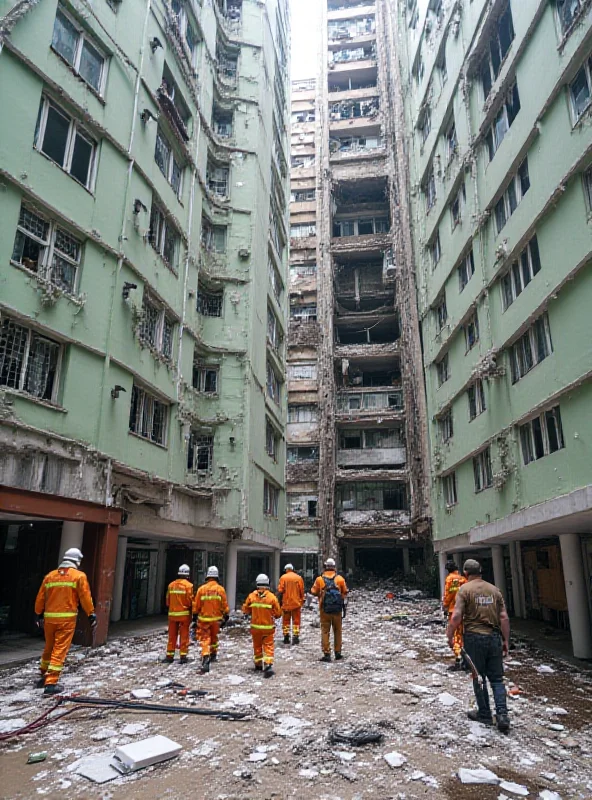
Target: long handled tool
{"points": [[480, 690], [205, 712]]}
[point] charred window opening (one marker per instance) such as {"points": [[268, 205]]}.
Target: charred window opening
{"points": [[383, 331], [303, 313], [372, 496], [299, 455]]}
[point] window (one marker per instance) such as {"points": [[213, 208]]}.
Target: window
{"points": [[303, 196], [581, 89], [209, 303], [43, 247], [303, 413], [451, 141], [29, 361], [500, 40], [304, 162], [482, 471], [302, 505], [300, 272], [275, 280], [441, 313], [200, 452], [521, 273], [531, 348], [272, 441], [372, 496], [205, 377], [167, 163], [148, 416], [446, 426], [75, 47], [303, 231], [425, 124], [360, 227], [302, 372], [458, 206], [227, 64], [435, 250], [164, 237], [271, 495], [466, 270], [273, 384], [298, 455], [503, 120], [508, 202], [62, 139], [476, 397], [218, 180], [542, 436], [213, 237], [185, 28], [157, 327], [442, 369], [222, 122], [587, 178], [303, 314], [430, 189], [275, 336], [449, 487], [471, 328], [567, 11], [442, 66]]}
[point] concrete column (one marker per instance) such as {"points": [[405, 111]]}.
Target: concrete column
{"points": [[442, 559], [152, 606], [516, 596], [406, 566], [118, 579], [231, 570], [276, 569], [577, 595], [459, 561], [499, 573], [72, 534], [523, 609], [160, 577]]}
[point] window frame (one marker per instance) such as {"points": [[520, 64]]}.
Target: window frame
{"points": [[172, 162], [443, 370], [450, 489], [476, 399], [271, 497], [507, 113], [163, 317], [430, 193], [195, 448], [212, 182], [307, 410], [460, 202], [183, 22], [31, 334], [200, 377], [158, 239], [210, 234], [523, 361], [436, 250], [272, 440], [466, 268], [513, 282], [83, 37], [303, 230], [482, 470], [75, 130], [148, 397], [451, 137], [487, 60], [446, 426], [565, 29], [528, 443], [515, 185], [273, 384], [586, 68], [441, 312], [472, 322]]}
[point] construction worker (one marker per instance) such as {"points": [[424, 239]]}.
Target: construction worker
{"points": [[331, 589], [179, 597], [56, 606], [454, 580], [263, 608], [210, 606], [480, 607], [291, 591]]}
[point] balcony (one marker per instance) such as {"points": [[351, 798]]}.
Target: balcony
{"points": [[302, 463], [368, 403], [376, 458], [372, 506]]}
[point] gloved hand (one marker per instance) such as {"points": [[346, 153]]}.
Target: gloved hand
{"points": [[92, 618], [40, 621]]}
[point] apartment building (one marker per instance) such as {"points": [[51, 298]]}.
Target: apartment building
{"points": [[356, 437], [498, 102], [143, 252]]}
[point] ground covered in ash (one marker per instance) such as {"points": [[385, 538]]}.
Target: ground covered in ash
{"points": [[395, 681]]}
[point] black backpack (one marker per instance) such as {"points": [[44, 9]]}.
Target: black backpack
{"points": [[332, 599]]}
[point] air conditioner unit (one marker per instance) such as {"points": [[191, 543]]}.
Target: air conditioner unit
{"points": [[244, 253]]}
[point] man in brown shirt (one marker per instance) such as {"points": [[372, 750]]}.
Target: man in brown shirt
{"points": [[481, 609]]}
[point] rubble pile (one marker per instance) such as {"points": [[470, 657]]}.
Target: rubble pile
{"points": [[387, 722]]}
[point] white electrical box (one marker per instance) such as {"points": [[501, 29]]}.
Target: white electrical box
{"points": [[139, 755]]}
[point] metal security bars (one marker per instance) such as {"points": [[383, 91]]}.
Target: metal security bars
{"points": [[29, 361], [148, 416]]}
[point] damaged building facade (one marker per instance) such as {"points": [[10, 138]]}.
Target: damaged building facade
{"points": [[356, 439], [498, 100], [143, 252]]}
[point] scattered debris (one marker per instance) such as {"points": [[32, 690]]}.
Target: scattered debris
{"points": [[394, 759], [132, 757], [355, 736], [141, 694], [36, 758], [514, 788], [477, 776]]}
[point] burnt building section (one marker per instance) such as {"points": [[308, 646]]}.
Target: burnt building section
{"points": [[356, 415]]}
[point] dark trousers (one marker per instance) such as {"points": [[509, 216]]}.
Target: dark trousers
{"points": [[486, 653]]}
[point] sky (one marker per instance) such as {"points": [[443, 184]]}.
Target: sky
{"points": [[305, 35]]}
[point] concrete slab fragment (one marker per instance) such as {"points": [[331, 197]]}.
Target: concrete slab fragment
{"points": [[154, 750], [98, 770]]}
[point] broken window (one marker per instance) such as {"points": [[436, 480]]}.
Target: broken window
{"points": [[435, 250], [222, 122], [476, 398], [275, 229], [354, 109], [275, 280], [63, 139], [43, 247], [304, 162], [360, 227], [531, 348], [303, 314], [75, 46], [372, 439], [157, 327], [213, 237], [581, 89], [429, 189], [499, 43], [273, 385], [272, 441], [471, 329], [364, 53], [442, 66], [567, 11], [302, 372], [451, 141], [307, 413], [167, 162], [271, 496], [542, 436], [446, 426], [217, 179], [442, 369], [441, 313], [466, 270], [515, 191], [209, 303], [503, 120], [372, 496], [303, 196], [350, 28], [148, 416], [200, 452], [300, 272], [302, 505], [205, 377], [458, 206], [275, 336], [370, 401], [303, 231], [297, 455], [164, 237], [353, 144], [227, 63], [482, 472], [521, 273], [29, 361], [449, 488], [173, 105]]}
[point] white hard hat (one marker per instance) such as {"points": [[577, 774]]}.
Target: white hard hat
{"points": [[262, 580], [288, 566], [330, 562], [212, 572], [73, 555], [184, 570]]}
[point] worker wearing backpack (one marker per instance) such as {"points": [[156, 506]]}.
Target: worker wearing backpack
{"points": [[331, 590]]}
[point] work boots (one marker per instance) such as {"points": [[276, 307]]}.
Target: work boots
{"points": [[213, 657], [295, 639], [258, 667], [183, 660], [475, 716], [52, 688], [268, 671], [503, 722], [338, 656], [169, 659], [326, 657], [40, 682], [205, 664], [287, 638]]}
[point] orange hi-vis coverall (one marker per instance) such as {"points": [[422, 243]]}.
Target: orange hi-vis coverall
{"points": [[291, 588], [179, 597], [264, 609], [329, 621], [211, 606], [454, 580], [59, 596]]}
